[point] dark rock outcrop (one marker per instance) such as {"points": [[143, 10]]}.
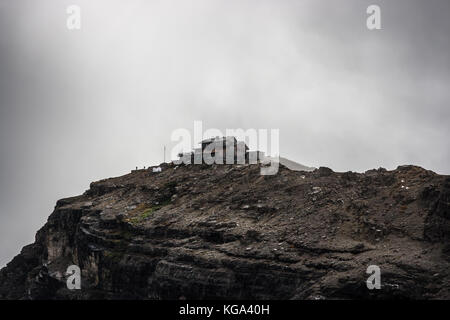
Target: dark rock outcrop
{"points": [[225, 231]]}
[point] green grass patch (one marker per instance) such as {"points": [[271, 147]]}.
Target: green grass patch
{"points": [[140, 217]]}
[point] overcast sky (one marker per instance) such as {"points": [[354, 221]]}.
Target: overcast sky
{"points": [[78, 106]]}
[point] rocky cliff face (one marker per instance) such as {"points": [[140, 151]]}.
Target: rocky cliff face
{"points": [[214, 232]]}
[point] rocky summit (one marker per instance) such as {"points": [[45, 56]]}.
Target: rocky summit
{"points": [[227, 232]]}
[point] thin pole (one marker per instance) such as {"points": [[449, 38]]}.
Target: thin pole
{"points": [[164, 154]]}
